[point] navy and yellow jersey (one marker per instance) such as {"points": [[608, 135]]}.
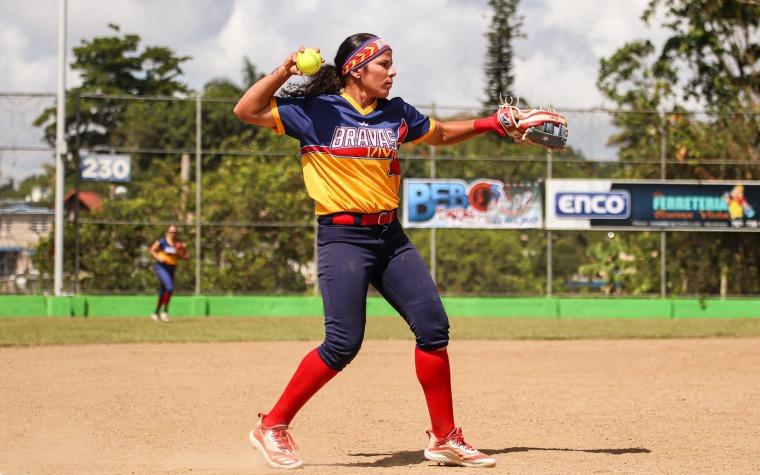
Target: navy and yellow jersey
{"points": [[349, 154], [169, 251]]}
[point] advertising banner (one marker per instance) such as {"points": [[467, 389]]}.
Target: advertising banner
{"points": [[652, 204], [479, 204]]}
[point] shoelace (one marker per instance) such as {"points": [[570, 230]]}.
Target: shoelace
{"points": [[283, 440], [457, 439]]}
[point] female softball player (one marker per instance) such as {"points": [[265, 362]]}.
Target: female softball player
{"points": [[350, 133], [167, 252]]}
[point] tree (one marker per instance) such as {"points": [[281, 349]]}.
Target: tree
{"points": [[710, 61], [717, 43], [155, 128], [170, 123], [505, 27], [113, 66]]}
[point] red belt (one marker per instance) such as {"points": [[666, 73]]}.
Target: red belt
{"points": [[358, 219]]}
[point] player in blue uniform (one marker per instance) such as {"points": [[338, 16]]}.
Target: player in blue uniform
{"points": [[167, 252], [350, 134]]}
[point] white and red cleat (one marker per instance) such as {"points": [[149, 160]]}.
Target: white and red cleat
{"points": [[453, 450], [276, 444]]}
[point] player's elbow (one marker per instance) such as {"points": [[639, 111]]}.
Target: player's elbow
{"points": [[437, 137], [241, 113], [250, 116]]}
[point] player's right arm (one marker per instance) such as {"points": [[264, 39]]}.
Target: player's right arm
{"points": [[255, 105], [154, 251]]}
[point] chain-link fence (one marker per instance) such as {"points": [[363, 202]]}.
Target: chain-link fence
{"points": [[237, 196]]}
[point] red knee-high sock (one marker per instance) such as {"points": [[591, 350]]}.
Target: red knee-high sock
{"points": [[434, 374], [167, 297], [161, 297], [312, 374]]}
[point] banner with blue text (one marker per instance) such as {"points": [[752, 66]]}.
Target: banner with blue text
{"points": [[478, 204], [652, 204]]}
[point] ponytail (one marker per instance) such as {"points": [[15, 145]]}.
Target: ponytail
{"points": [[325, 81]]}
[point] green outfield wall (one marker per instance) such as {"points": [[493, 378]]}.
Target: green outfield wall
{"points": [[306, 306]]}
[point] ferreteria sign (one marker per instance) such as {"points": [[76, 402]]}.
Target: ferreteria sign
{"points": [[650, 204]]}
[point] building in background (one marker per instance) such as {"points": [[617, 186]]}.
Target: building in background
{"points": [[88, 202], [21, 228]]}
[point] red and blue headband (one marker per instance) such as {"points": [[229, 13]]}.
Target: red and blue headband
{"points": [[364, 54]]}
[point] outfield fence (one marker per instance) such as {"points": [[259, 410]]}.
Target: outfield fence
{"points": [[241, 244], [109, 306]]}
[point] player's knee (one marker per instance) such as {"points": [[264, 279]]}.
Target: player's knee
{"points": [[337, 355], [432, 335], [433, 341], [428, 320]]}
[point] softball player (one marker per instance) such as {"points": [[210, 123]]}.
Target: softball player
{"points": [[167, 252], [350, 133]]}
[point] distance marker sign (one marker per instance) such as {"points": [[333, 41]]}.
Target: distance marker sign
{"points": [[106, 167]]}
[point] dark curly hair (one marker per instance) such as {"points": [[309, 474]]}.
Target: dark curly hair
{"points": [[328, 80]]}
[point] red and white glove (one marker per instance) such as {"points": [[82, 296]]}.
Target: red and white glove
{"points": [[544, 128]]}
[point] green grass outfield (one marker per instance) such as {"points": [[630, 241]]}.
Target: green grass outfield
{"points": [[107, 306], [39, 320], [78, 331]]}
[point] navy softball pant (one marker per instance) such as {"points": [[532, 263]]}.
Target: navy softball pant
{"points": [[165, 273], [353, 257]]}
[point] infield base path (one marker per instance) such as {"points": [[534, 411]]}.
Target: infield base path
{"points": [[538, 407]]}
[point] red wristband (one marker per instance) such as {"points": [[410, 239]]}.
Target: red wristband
{"points": [[483, 125], [488, 124]]}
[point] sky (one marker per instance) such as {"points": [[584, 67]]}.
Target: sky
{"points": [[438, 48]]}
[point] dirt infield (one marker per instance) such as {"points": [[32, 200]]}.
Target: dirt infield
{"points": [[538, 407]]}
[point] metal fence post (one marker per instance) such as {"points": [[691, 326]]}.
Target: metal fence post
{"points": [[198, 167], [549, 258], [60, 152], [663, 235], [78, 171]]}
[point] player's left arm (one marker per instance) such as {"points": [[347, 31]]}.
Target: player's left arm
{"points": [[451, 132], [182, 250]]}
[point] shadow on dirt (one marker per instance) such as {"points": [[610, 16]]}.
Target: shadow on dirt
{"points": [[633, 450], [414, 457]]}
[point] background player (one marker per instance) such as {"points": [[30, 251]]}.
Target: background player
{"points": [[350, 135], [167, 252]]}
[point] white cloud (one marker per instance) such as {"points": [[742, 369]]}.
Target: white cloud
{"points": [[439, 45], [20, 70]]}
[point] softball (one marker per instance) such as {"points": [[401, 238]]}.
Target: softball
{"points": [[308, 61]]}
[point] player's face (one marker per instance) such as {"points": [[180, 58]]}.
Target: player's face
{"points": [[377, 77]]}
